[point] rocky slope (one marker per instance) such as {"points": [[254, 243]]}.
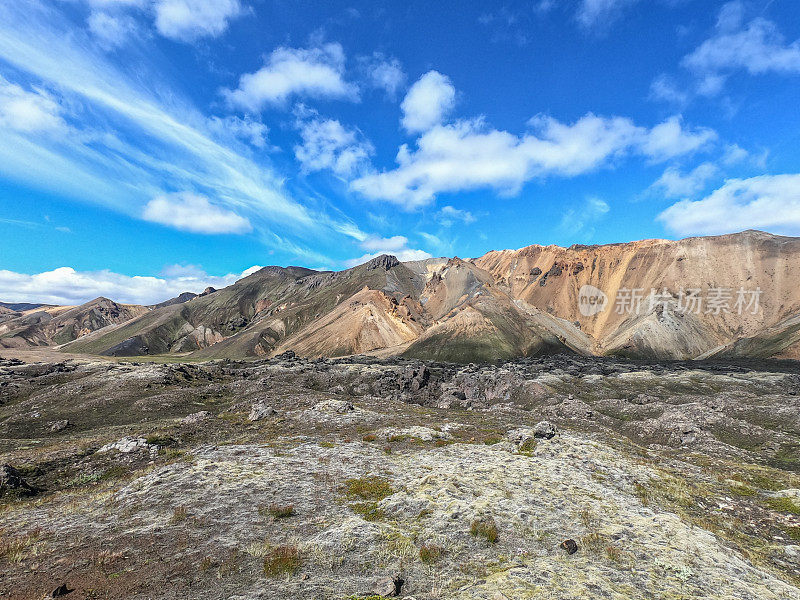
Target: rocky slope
{"points": [[62, 324], [555, 477]]}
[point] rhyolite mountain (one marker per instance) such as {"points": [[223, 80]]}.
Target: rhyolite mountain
{"points": [[501, 305]]}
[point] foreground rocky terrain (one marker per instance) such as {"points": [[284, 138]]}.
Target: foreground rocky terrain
{"points": [[725, 296], [554, 477]]}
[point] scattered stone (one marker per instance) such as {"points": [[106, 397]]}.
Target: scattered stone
{"points": [[195, 418], [261, 411], [523, 438], [12, 483], [60, 591], [453, 398], [391, 587], [61, 425], [129, 444], [337, 406], [544, 430], [570, 545], [288, 355]]}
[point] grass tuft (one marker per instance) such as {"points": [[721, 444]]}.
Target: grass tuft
{"points": [[282, 560], [484, 528], [368, 488], [277, 511], [430, 553]]}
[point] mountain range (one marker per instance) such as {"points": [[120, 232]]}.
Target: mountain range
{"points": [[734, 295]]}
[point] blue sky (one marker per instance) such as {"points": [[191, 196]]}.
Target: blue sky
{"points": [[153, 146]]}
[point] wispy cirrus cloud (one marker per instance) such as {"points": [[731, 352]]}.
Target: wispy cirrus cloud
{"points": [[149, 141]]}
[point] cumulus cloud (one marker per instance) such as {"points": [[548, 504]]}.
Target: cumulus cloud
{"points": [[674, 184], [65, 285], [770, 202], [192, 212], [327, 144], [670, 139], [396, 245], [428, 102], [188, 20], [34, 111], [385, 74], [310, 72], [469, 155], [756, 48]]}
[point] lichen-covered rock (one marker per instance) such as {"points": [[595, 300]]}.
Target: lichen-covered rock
{"points": [[544, 430], [128, 445], [261, 411]]}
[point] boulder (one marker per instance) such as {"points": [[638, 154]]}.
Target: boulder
{"points": [[61, 425], [261, 411], [12, 483], [570, 545], [195, 418], [544, 430], [337, 406], [128, 445]]}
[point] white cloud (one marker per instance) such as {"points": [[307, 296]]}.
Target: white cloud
{"points": [[111, 29], [600, 13], [428, 102], [396, 246], [386, 74], [756, 48], [469, 155], [135, 138], [111, 4], [67, 286], [664, 88], [313, 72], [247, 129], [192, 212], [449, 214], [329, 145], [674, 184], [770, 202], [392, 244], [670, 139], [188, 20], [28, 112]]}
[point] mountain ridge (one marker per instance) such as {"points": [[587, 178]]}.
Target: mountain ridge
{"points": [[501, 305]]}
